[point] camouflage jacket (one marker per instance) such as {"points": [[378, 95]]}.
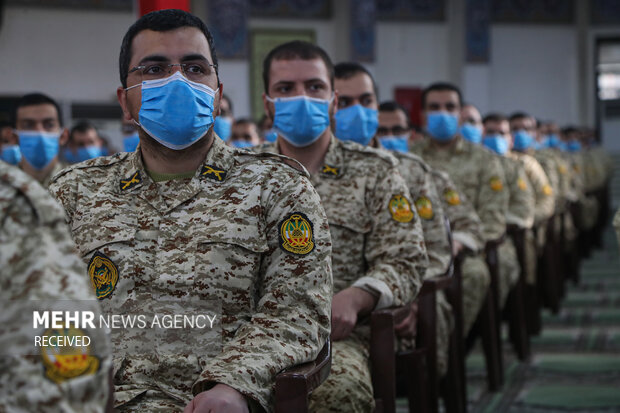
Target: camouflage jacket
{"points": [[38, 261], [376, 233], [478, 174], [419, 179], [521, 204], [465, 224], [537, 178], [247, 231]]}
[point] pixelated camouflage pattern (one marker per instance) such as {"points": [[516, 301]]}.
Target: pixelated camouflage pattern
{"points": [[464, 221], [38, 261], [214, 236], [418, 176], [538, 180], [478, 173], [521, 201], [371, 250], [476, 280]]}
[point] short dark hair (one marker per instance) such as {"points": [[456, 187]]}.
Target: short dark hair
{"points": [[346, 70], [392, 106], [518, 115], [494, 117], [33, 99], [441, 87], [297, 49], [82, 126], [161, 21], [245, 121]]}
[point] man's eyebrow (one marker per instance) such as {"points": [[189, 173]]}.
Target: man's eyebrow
{"points": [[154, 58], [316, 79], [196, 56]]}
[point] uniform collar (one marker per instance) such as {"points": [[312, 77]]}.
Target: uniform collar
{"points": [[333, 164]]}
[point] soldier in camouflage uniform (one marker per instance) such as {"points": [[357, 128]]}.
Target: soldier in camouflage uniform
{"points": [[545, 185], [356, 120], [209, 222], [521, 202], [38, 123], [476, 172], [38, 262], [379, 255], [464, 222]]}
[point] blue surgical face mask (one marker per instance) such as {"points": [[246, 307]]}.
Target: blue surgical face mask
{"points": [[11, 154], [88, 152], [300, 120], [356, 123], [552, 141], [222, 127], [497, 143], [38, 148], [574, 146], [175, 111], [241, 144], [471, 133], [69, 156], [442, 126], [522, 140], [271, 136], [399, 143], [130, 143]]}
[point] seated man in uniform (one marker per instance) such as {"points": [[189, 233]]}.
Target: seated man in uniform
{"points": [[379, 255], [186, 217]]}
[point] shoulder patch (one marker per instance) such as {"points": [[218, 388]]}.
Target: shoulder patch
{"points": [[64, 362], [213, 172], [131, 181], [452, 197], [400, 209], [562, 169], [547, 190], [424, 206], [496, 184], [103, 274], [297, 234], [522, 184]]}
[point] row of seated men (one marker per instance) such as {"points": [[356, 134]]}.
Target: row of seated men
{"points": [[299, 239]]}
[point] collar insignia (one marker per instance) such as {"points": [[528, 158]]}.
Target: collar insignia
{"points": [[130, 182], [213, 172], [330, 170]]}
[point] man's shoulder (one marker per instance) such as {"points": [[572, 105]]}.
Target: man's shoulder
{"points": [[357, 152], [264, 159], [22, 193], [408, 158], [97, 169]]}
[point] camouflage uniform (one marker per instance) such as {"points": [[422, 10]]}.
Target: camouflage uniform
{"points": [[246, 230], [377, 246], [419, 178], [479, 175], [38, 262], [520, 214]]}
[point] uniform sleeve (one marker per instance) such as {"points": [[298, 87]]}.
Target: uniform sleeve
{"points": [[464, 221], [395, 249], [292, 318], [41, 261], [492, 202], [545, 202], [64, 189], [431, 212], [521, 208]]}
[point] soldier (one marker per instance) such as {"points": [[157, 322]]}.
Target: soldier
{"points": [[37, 120], [379, 255], [9, 144], [521, 201], [84, 143], [476, 172], [244, 134], [187, 217], [38, 262], [464, 222], [471, 124], [356, 120]]}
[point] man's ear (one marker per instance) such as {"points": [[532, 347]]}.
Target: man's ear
{"points": [[121, 94], [64, 137], [217, 108], [270, 114]]}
